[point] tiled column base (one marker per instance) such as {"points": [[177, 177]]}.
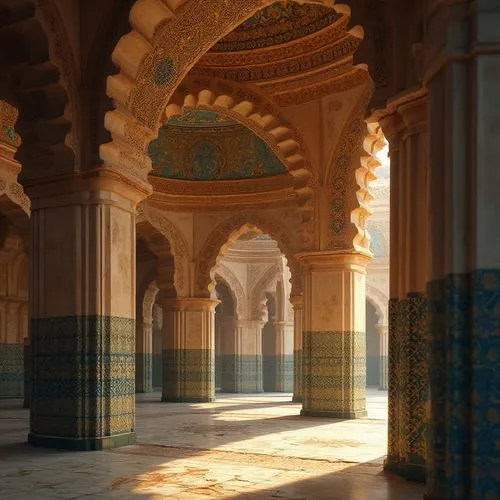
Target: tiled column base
{"points": [[188, 376], [408, 387], [384, 372], [278, 370], [188, 350], [416, 388], [465, 359], [297, 376], [143, 372], [157, 370], [27, 374], [298, 310], [83, 394], [11, 370], [242, 373], [393, 455], [334, 374]]}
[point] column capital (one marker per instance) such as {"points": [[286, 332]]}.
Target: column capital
{"points": [[357, 260], [249, 323], [283, 324], [297, 301], [99, 185], [188, 304]]}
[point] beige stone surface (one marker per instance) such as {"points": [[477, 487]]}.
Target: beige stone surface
{"points": [[245, 447]]}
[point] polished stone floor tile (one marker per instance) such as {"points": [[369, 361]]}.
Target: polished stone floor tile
{"points": [[251, 447]]}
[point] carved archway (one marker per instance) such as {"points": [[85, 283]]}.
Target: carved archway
{"points": [[148, 303], [267, 283], [380, 302], [40, 58], [256, 112], [176, 242], [235, 287], [230, 230], [167, 39]]}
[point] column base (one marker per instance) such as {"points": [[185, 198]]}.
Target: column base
{"points": [[297, 399], [341, 415], [415, 473], [145, 391], [83, 444], [181, 399]]}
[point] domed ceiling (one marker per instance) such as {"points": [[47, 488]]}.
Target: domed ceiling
{"points": [[281, 22], [284, 47], [203, 145]]}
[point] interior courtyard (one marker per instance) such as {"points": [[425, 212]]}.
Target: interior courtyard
{"points": [[248, 249]]}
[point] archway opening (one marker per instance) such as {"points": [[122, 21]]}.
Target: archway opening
{"points": [[254, 338]]}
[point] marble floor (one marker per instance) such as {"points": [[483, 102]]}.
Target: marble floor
{"points": [[242, 447]]}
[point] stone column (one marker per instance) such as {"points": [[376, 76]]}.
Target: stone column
{"points": [[27, 372], [11, 349], [279, 360], [225, 348], [462, 73], [188, 350], [383, 332], [406, 130], [82, 309], [144, 357], [298, 309], [243, 358], [334, 349]]}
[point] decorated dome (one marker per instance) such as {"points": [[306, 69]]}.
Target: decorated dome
{"points": [[203, 145]]}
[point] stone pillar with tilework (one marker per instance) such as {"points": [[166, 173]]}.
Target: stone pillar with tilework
{"points": [[405, 128], [383, 332], [144, 340], [82, 309], [27, 372], [242, 362], [188, 350], [144, 357], [334, 349], [464, 267], [279, 359], [298, 310]]}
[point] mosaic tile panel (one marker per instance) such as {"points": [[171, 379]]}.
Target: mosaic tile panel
{"points": [[143, 372], [416, 387], [242, 373], [157, 370], [334, 374], [403, 368], [485, 371], [83, 385], [457, 384], [393, 458], [464, 455], [11, 370], [28, 373], [278, 373], [436, 436], [297, 374], [188, 375], [384, 373]]}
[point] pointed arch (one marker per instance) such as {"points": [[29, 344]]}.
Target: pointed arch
{"points": [[381, 303], [176, 242], [256, 112], [267, 283], [230, 230], [235, 287]]}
